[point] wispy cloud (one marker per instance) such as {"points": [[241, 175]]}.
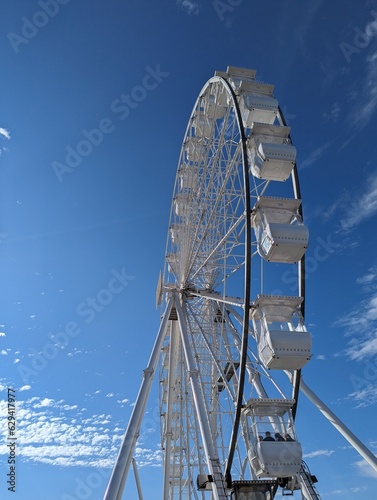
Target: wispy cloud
{"points": [[365, 469], [365, 349], [364, 397], [368, 278], [337, 204], [313, 156], [321, 357], [361, 322], [364, 207], [333, 114], [319, 453], [190, 6], [354, 489], [366, 103]]}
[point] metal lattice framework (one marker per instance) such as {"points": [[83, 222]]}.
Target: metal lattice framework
{"points": [[231, 325]]}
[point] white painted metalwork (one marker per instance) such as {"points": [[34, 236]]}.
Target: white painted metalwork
{"points": [[226, 334]]}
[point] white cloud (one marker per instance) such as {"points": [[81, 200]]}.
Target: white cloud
{"points": [[365, 397], [364, 349], [4, 352], [45, 402], [100, 439], [190, 6], [364, 207], [321, 357], [57, 433], [371, 312], [4, 132], [354, 489], [25, 388], [365, 469], [339, 203], [369, 277], [319, 453], [361, 324], [2, 334]]}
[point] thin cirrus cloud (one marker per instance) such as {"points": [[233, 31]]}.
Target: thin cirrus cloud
{"points": [[333, 114], [361, 324], [314, 156]]}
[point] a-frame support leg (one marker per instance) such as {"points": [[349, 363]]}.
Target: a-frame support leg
{"points": [[119, 475], [367, 455]]}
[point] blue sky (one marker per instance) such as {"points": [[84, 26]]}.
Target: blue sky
{"points": [[81, 245]]}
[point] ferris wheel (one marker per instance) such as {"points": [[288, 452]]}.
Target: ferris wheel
{"points": [[232, 339]]}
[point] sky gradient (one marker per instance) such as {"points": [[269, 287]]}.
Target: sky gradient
{"points": [[95, 99]]}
